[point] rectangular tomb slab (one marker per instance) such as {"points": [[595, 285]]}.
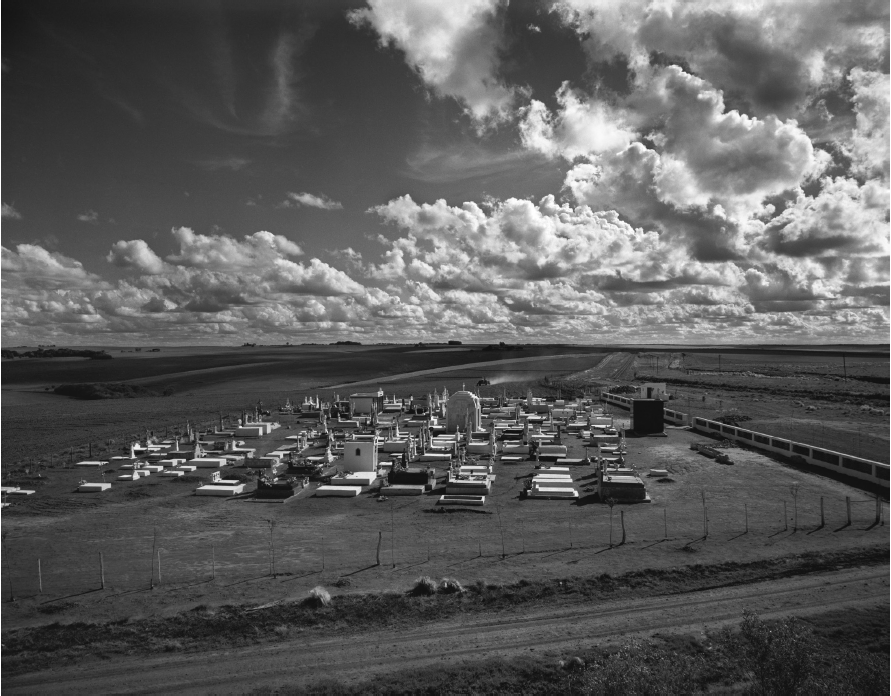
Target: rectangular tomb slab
{"points": [[511, 459], [91, 464], [173, 474], [93, 487], [129, 477], [359, 478], [554, 493], [338, 491], [461, 500], [219, 491], [402, 490], [21, 491], [434, 457], [208, 462]]}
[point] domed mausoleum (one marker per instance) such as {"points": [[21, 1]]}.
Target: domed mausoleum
{"points": [[461, 406]]}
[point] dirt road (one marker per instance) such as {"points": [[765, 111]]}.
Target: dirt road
{"points": [[551, 359], [563, 628]]}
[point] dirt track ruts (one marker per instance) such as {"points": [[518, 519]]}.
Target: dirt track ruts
{"points": [[360, 655]]}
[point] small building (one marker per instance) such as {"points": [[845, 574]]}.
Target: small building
{"points": [[647, 416], [366, 403], [360, 455], [653, 390]]}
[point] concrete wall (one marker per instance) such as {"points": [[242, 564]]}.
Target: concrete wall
{"points": [[855, 467]]}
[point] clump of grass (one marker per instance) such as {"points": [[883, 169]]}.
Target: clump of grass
{"points": [[450, 586], [170, 645], [342, 582], [424, 586], [665, 479], [319, 597]]}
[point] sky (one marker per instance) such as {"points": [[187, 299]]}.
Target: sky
{"points": [[578, 171]]}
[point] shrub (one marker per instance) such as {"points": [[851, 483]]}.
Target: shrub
{"points": [[319, 597], [639, 668], [779, 655], [450, 586], [424, 586]]}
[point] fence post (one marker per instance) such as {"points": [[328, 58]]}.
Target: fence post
{"points": [[101, 571], [785, 518], [878, 509], [159, 566], [380, 537], [622, 516], [822, 515], [848, 506]]}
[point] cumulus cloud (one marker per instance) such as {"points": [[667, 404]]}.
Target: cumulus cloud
{"points": [[310, 200], [454, 47], [770, 55], [581, 127], [221, 252], [735, 186], [870, 143], [700, 154], [135, 254], [30, 265], [844, 220], [10, 212]]}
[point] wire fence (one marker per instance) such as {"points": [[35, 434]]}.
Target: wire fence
{"points": [[139, 557]]}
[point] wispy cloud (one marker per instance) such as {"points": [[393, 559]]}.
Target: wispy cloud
{"points": [[10, 212], [214, 164], [282, 97], [457, 163], [268, 104], [309, 200], [91, 216]]}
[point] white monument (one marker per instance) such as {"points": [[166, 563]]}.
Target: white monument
{"points": [[463, 407]]}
